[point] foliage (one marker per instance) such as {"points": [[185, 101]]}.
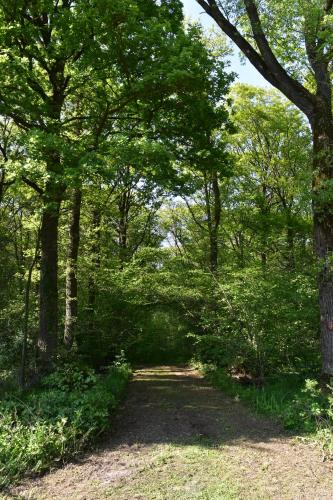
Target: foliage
{"points": [[247, 332], [58, 420], [300, 405], [193, 233]]}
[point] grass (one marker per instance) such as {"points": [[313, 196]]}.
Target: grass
{"points": [[184, 472], [298, 403], [56, 421], [273, 399], [213, 466]]}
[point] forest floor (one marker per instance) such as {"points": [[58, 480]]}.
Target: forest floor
{"points": [[175, 438]]}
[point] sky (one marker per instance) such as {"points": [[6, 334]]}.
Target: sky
{"points": [[246, 72]]}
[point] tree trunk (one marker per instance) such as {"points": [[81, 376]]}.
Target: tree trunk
{"points": [[71, 270], [214, 253], [290, 247], [123, 206], [323, 229], [213, 212], [2, 183], [96, 261], [22, 375], [48, 289]]}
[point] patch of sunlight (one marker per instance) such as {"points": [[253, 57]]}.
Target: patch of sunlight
{"points": [[182, 473]]}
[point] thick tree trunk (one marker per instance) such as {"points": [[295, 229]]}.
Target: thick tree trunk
{"points": [[71, 270], [48, 290], [323, 229]]}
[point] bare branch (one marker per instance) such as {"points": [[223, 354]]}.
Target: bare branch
{"points": [[265, 61]]}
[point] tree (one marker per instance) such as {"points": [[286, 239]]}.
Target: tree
{"points": [[273, 181], [293, 52]]}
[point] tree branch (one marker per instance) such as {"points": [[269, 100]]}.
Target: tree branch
{"points": [[319, 65], [198, 223], [265, 61], [33, 185], [36, 87]]}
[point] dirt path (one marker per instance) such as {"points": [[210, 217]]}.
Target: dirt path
{"points": [[178, 438]]}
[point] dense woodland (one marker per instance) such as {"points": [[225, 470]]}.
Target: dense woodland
{"points": [[154, 210]]}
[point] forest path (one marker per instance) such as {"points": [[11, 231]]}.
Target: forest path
{"points": [[178, 438]]}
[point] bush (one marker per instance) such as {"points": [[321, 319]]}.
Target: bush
{"points": [[300, 405], [261, 324], [58, 420]]}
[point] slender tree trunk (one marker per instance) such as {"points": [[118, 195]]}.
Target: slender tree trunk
{"points": [[2, 183], [323, 229], [263, 257], [123, 226], [71, 270], [290, 246], [264, 212], [22, 375], [96, 261], [213, 210], [214, 250]]}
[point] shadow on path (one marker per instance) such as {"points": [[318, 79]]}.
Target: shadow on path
{"points": [[169, 404]]}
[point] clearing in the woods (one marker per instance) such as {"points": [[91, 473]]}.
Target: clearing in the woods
{"points": [[176, 437]]}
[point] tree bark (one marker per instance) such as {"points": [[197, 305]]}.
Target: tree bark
{"points": [[48, 289], [322, 128], [214, 250], [96, 261], [71, 270], [22, 374], [213, 211], [123, 205]]}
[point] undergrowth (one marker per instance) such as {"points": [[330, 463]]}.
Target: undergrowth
{"points": [[58, 420], [298, 404]]}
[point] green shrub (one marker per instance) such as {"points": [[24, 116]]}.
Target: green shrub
{"points": [[58, 420], [300, 405], [256, 323]]}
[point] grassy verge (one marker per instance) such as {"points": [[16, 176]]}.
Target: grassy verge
{"points": [[58, 420], [194, 471], [298, 404]]}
